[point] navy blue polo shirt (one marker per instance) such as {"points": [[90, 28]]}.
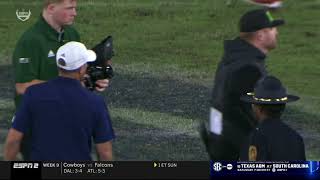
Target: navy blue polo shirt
{"points": [[64, 118]]}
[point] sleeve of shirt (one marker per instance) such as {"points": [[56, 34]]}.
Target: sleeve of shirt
{"points": [[103, 130], [242, 82], [26, 60], [22, 120]]}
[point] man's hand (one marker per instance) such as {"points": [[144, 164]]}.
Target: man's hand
{"points": [[102, 84], [12, 145], [104, 151]]}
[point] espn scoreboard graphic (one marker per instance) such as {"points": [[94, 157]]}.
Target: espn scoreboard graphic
{"points": [[105, 170], [155, 169]]}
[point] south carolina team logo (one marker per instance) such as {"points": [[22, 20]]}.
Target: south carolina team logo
{"points": [[23, 15]]}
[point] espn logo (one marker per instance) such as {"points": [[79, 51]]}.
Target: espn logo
{"points": [[25, 165]]}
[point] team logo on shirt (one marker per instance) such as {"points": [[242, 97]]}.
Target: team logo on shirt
{"points": [[23, 15], [51, 54], [24, 60], [253, 153]]}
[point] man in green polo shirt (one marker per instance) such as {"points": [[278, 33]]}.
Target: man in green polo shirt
{"points": [[34, 55]]}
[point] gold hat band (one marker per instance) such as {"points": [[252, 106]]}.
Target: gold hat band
{"points": [[267, 99]]}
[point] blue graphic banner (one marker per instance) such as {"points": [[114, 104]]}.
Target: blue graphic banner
{"points": [[287, 168]]}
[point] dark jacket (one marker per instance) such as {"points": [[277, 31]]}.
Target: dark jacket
{"points": [[273, 140], [241, 67]]}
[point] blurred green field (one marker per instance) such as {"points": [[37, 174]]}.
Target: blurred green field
{"points": [[166, 56]]}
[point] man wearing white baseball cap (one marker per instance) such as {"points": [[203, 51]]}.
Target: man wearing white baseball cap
{"points": [[63, 115], [73, 55]]}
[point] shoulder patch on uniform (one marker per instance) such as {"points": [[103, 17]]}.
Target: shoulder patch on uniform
{"points": [[252, 153], [51, 54], [24, 60]]}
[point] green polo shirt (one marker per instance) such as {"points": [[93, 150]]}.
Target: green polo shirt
{"points": [[34, 55]]}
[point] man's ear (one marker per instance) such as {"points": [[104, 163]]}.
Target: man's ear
{"points": [[83, 69], [51, 8], [257, 110], [260, 35]]}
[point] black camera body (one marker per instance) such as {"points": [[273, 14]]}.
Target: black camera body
{"points": [[100, 68], [96, 73]]}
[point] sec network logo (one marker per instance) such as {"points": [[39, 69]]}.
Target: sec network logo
{"points": [[217, 166]]}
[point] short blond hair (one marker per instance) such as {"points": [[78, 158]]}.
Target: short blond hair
{"points": [[46, 3]]}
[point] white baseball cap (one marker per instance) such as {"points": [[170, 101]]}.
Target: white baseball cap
{"points": [[73, 55]]}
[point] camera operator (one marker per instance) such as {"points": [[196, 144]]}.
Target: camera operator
{"points": [[34, 56], [64, 116]]}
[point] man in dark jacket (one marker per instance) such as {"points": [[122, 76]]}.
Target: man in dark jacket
{"points": [[271, 140], [64, 116], [242, 65]]}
